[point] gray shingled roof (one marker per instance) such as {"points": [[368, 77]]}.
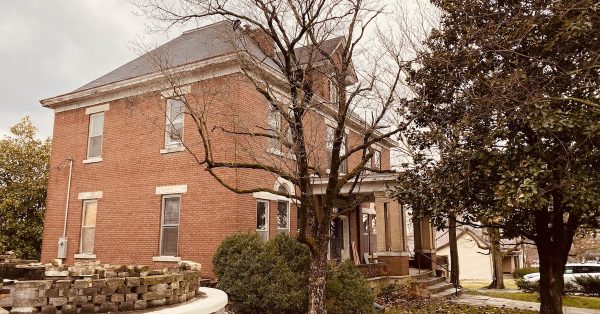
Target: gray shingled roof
{"points": [[192, 46]]}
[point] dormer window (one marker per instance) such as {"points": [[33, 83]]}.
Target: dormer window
{"points": [[333, 92], [330, 137]]}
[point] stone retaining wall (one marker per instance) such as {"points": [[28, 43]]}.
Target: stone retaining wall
{"points": [[104, 295]]}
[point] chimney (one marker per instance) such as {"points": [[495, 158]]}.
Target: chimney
{"points": [[262, 39]]}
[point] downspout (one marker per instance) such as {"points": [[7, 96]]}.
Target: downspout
{"points": [[68, 197]]}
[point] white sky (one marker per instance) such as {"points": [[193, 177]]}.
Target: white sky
{"points": [[48, 48]]}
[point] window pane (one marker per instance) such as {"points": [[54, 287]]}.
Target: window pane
{"points": [[96, 124], [282, 215], [569, 270], [261, 216], [174, 132], [176, 110], [329, 139], [171, 211], [377, 160], [169, 241], [87, 240], [89, 214], [95, 149]]}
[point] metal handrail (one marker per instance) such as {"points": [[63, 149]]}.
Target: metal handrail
{"points": [[454, 284]]}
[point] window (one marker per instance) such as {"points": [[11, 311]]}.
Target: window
{"points": [[262, 219], [333, 93], [96, 130], [88, 226], [175, 115], [376, 160], [274, 128], [283, 217], [344, 164], [169, 234]]}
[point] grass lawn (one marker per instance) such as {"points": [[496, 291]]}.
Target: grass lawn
{"points": [[444, 307], [569, 300], [478, 284]]}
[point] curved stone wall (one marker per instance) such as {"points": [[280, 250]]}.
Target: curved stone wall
{"points": [[106, 294]]}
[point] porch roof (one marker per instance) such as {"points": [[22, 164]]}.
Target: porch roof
{"points": [[365, 184]]}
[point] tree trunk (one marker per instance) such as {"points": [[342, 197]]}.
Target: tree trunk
{"points": [[497, 259], [454, 267], [317, 280], [552, 270]]}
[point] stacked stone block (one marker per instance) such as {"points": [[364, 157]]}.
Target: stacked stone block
{"points": [[116, 291]]}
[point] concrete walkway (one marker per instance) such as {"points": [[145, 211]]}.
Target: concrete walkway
{"points": [[213, 301], [482, 300]]}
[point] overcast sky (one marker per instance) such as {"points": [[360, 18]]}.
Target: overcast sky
{"points": [[49, 48]]}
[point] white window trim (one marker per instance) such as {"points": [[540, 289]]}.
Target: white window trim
{"points": [[171, 189], [162, 225], [92, 159], [81, 228], [167, 259], [90, 195], [169, 122], [84, 256], [97, 109], [172, 149], [288, 215], [176, 91], [266, 218]]}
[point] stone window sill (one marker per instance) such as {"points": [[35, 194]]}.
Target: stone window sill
{"points": [[92, 160], [85, 256], [166, 259], [172, 149]]}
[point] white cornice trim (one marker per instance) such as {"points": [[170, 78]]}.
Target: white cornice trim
{"points": [[57, 101]]}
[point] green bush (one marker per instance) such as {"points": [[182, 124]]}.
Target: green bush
{"points": [[519, 273], [589, 284], [348, 291], [272, 277], [528, 286]]}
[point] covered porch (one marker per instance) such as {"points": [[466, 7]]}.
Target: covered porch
{"points": [[371, 230]]}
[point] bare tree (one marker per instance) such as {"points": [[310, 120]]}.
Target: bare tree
{"points": [[284, 51]]}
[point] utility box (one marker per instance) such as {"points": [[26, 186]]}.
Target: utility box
{"points": [[62, 247]]}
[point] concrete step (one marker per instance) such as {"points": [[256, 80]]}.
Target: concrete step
{"points": [[446, 294], [429, 281], [439, 287], [423, 275]]}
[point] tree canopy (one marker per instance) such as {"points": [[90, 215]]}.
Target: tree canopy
{"points": [[23, 185], [506, 123]]}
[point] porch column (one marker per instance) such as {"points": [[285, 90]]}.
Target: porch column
{"points": [[424, 243], [391, 240]]}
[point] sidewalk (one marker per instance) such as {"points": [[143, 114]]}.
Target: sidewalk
{"points": [[482, 300]]}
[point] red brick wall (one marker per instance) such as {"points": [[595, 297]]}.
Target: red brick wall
{"points": [[128, 216]]}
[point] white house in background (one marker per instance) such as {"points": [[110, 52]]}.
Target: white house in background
{"points": [[474, 258]]}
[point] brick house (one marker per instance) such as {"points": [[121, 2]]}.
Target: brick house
{"points": [[125, 186]]}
